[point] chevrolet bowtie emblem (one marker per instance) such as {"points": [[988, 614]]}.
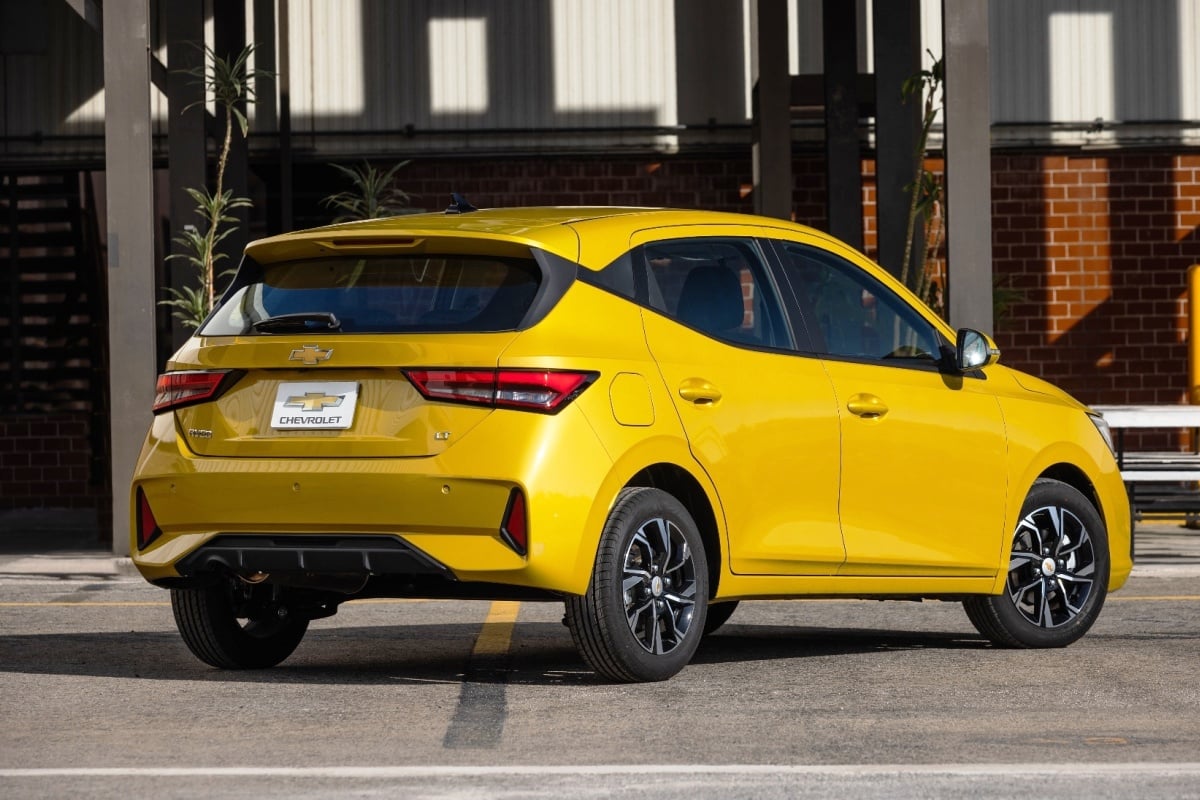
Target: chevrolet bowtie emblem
{"points": [[310, 355], [314, 401]]}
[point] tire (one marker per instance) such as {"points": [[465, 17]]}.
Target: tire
{"points": [[1057, 573], [236, 626], [643, 614], [718, 615]]}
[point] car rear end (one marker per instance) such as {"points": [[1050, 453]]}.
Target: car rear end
{"points": [[346, 420]]}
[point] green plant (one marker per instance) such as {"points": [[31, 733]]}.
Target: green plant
{"points": [[374, 193], [925, 191], [229, 82]]}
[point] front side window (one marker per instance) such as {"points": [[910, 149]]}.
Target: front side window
{"points": [[381, 294], [851, 314], [718, 286]]}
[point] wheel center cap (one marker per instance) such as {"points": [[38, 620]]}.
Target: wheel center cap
{"points": [[1048, 567], [656, 586]]}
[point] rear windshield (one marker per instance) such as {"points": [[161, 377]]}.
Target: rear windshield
{"points": [[381, 294]]}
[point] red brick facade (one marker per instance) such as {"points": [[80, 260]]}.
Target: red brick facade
{"points": [[1099, 247], [1093, 249], [1096, 249], [46, 462]]}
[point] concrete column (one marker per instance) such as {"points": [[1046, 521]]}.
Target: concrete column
{"points": [[897, 28], [843, 159], [130, 202], [968, 163], [772, 149]]}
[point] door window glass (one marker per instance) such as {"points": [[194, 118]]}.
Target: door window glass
{"points": [[717, 286], [851, 314]]}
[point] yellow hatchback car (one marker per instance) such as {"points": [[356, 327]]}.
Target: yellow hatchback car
{"points": [[646, 414]]}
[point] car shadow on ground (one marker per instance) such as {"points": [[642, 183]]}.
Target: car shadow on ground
{"points": [[541, 653]]}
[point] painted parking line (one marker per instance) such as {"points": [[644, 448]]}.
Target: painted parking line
{"points": [[1025, 770], [479, 717]]}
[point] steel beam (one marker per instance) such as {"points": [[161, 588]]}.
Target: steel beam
{"points": [[772, 149], [843, 159], [186, 152], [897, 29]]}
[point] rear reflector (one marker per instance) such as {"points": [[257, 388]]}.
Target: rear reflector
{"points": [[178, 389], [515, 528], [547, 391], [147, 526]]}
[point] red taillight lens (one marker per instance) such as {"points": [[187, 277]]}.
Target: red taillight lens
{"points": [[178, 389], [147, 526], [515, 528], [547, 391]]}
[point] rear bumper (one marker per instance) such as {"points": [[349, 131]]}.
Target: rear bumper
{"points": [[392, 516]]}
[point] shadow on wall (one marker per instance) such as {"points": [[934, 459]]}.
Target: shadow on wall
{"points": [[1096, 248]]}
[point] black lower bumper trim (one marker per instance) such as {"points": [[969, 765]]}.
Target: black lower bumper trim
{"points": [[247, 554]]}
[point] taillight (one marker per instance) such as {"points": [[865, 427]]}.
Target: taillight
{"points": [[147, 526], [514, 530], [547, 391], [185, 388]]}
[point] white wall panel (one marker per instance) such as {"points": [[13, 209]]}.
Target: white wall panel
{"points": [[460, 67]]}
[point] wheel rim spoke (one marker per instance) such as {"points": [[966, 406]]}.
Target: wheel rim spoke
{"points": [[659, 586], [1051, 567]]}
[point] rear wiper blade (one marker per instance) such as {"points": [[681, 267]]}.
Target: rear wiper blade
{"points": [[304, 322]]}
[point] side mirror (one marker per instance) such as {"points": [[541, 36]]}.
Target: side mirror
{"points": [[974, 350]]}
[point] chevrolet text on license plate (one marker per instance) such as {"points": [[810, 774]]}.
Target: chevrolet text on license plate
{"points": [[314, 406]]}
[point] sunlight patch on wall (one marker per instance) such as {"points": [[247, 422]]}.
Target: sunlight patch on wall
{"points": [[1082, 89], [458, 60]]}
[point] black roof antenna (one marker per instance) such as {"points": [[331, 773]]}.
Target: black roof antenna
{"points": [[459, 204]]}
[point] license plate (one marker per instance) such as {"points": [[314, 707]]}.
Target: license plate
{"points": [[314, 406]]}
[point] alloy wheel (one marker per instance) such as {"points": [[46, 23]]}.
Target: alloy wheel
{"points": [[659, 585], [1053, 567]]}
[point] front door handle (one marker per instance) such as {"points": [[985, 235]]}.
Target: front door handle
{"points": [[867, 406], [699, 391]]}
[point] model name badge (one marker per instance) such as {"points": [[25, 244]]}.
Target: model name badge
{"points": [[314, 405]]}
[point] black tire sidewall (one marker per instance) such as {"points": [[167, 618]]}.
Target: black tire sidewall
{"points": [[1044, 493], [633, 509], [207, 621]]}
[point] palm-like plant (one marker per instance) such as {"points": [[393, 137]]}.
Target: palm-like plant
{"points": [[229, 82], [925, 191], [374, 193]]}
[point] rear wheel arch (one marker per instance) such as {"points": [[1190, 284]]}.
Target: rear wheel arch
{"points": [[684, 487]]}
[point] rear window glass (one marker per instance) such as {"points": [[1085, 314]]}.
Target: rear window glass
{"points": [[382, 294]]}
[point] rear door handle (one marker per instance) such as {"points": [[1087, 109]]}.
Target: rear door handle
{"points": [[867, 406], [699, 391]]}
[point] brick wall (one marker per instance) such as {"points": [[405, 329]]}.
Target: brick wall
{"points": [[1098, 248], [46, 461], [1092, 250]]}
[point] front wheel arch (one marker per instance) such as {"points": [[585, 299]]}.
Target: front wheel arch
{"points": [[1055, 576]]}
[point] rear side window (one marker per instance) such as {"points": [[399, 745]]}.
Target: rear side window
{"points": [[383, 294], [718, 286]]}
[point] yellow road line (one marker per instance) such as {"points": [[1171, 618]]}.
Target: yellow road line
{"points": [[497, 630]]}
